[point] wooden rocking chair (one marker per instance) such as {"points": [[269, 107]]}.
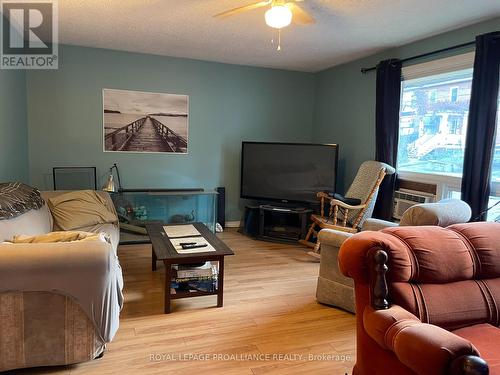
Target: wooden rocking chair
{"points": [[349, 214]]}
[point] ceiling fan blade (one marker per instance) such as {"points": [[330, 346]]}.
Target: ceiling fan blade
{"points": [[244, 8], [300, 16]]}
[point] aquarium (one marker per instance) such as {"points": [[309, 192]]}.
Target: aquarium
{"points": [[137, 207]]}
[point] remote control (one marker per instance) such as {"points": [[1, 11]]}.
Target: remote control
{"points": [[185, 247]]}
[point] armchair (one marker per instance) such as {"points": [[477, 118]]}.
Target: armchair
{"points": [[337, 290], [427, 299], [348, 213]]}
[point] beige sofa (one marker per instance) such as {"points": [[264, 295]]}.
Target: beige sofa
{"points": [[334, 288], [59, 302]]}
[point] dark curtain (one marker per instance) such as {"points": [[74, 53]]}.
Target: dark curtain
{"points": [[481, 126], [387, 130]]}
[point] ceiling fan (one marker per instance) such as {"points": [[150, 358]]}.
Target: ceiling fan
{"points": [[280, 14]]}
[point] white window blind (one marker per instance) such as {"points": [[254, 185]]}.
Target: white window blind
{"points": [[439, 66]]}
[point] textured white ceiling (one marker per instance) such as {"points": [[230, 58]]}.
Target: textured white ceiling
{"points": [[345, 29]]}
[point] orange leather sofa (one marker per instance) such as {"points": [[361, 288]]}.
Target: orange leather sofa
{"points": [[427, 299]]}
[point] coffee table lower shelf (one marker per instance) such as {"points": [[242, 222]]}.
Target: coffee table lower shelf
{"points": [[171, 293]]}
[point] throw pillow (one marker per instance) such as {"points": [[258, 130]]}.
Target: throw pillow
{"points": [[79, 209]]}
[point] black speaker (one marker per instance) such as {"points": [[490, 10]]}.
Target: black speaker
{"points": [[221, 206]]}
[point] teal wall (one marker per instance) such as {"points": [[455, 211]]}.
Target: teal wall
{"points": [[13, 127], [345, 105], [228, 104]]}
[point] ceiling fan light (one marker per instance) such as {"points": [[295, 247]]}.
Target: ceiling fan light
{"points": [[278, 16]]}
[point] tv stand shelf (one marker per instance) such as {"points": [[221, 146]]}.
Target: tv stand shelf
{"points": [[283, 224]]}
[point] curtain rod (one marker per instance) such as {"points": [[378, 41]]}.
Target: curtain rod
{"points": [[366, 70]]}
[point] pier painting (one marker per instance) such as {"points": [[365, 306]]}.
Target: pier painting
{"points": [[137, 121]]}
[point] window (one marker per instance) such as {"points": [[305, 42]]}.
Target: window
{"points": [[432, 132], [453, 94], [455, 124], [435, 98], [433, 119], [432, 96]]}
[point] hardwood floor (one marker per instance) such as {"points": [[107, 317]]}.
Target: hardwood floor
{"points": [[270, 322]]}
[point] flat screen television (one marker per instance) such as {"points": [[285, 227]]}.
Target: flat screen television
{"points": [[287, 172]]}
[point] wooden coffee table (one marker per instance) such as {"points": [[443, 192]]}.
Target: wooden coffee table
{"points": [[164, 251]]}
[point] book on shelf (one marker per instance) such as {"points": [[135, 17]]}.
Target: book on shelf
{"points": [[198, 278], [202, 286], [189, 277], [186, 271]]}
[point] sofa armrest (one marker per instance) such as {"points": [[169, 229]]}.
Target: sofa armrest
{"points": [[332, 237], [443, 213], [22, 265], [425, 348], [330, 241], [87, 271], [377, 224]]}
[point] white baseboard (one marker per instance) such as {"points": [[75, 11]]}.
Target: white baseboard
{"points": [[233, 224]]}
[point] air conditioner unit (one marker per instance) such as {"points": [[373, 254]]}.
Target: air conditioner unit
{"points": [[404, 199]]}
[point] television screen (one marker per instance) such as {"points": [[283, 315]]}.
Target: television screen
{"points": [[287, 171]]}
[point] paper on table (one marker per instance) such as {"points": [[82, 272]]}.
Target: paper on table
{"points": [[199, 241], [174, 231]]}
